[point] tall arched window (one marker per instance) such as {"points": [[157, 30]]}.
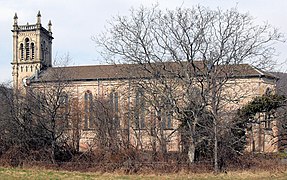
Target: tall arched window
{"points": [[166, 114], [27, 48], [114, 100], [64, 105], [88, 109], [22, 51], [166, 119], [32, 50], [139, 111], [43, 46]]}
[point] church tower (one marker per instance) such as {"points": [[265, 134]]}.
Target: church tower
{"points": [[32, 50]]}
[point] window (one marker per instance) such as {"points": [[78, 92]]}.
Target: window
{"points": [[27, 48], [42, 102], [33, 50], [139, 112], [64, 104], [43, 46], [267, 121], [165, 118], [88, 109], [114, 100], [22, 51]]}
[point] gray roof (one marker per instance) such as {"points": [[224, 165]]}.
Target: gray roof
{"points": [[125, 71]]}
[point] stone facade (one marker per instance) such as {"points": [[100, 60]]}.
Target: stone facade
{"points": [[32, 66], [32, 50]]}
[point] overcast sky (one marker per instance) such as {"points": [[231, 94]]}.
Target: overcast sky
{"points": [[76, 21]]}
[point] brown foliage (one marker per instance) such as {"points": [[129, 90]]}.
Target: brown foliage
{"points": [[131, 161]]}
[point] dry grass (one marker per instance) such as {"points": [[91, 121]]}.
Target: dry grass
{"points": [[16, 173]]}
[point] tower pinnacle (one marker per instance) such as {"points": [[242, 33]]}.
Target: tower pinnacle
{"points": [[50, 26], [39, 18], [15, 21]]}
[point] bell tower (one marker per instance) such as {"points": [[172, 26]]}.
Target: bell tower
{"points": [[32, 50]]}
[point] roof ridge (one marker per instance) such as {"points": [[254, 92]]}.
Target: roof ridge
{"points": [[119, 71], [258, 70]]}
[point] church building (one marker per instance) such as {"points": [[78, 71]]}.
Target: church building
{"points": [[32, 67]]}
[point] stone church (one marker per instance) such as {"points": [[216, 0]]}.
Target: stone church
{"points": [[32, 66]]}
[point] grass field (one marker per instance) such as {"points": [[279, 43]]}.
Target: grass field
{"points": [[15, 173]]}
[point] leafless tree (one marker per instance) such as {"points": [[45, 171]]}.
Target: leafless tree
{"points": [[50, 102], [166, 46], [106, 125], [7, 135], [40, 115], [281, 115]]}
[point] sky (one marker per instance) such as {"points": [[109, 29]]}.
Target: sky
{"points": [[75, 22]]}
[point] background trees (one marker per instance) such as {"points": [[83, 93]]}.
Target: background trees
{"points": [[36, 120], [281, 87], [166, 46], [49, 113]]}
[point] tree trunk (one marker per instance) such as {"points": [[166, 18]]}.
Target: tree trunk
{"points": [[214, 101], [53, 148], [215, 147], [191, 151]]}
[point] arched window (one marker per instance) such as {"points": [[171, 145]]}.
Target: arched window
{"points": [[22, 51], [88, 109], [27, 48], [166, 119], [114, 100], [43, 46], [165, 113], [33, 50], [139, 111], [64, 104]]}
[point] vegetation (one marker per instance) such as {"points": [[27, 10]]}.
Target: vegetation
{"points": [[265, 103], [43, 124], [9, 173], [247, 116], [166, 46]]}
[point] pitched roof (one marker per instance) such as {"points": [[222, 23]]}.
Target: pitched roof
{"points": [[84, 72], [125, 71]]}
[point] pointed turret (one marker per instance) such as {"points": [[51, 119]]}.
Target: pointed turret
{"points": [[39, 19], [50, 27], [15, 21]]}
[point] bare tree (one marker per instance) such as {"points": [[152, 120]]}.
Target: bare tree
{"points": [[106, 124], [280, 114], [40, 118], [166, 47], [8, 135], [50, 101]]}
